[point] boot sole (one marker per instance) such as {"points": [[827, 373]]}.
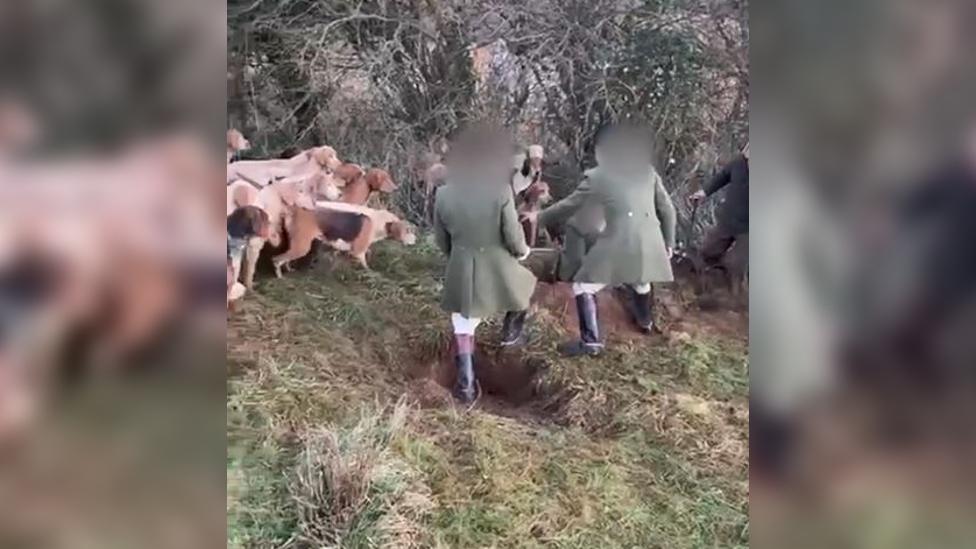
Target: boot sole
{"points": [[474, 400], [573, 352]]}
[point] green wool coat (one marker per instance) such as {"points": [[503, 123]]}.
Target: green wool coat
{"points": [[576, 242], [582, 230], [640, 226], [477, 226]]}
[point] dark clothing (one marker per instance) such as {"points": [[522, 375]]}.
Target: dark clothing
{"points": [[733, 213], [945, 209], [718, 240]]}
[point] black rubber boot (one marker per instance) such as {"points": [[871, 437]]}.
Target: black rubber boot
{"points": [[589, 343], [464, 387], [513, 329], [640, 307]]}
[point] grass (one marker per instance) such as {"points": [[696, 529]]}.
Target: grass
{"points": [[335, 443]]}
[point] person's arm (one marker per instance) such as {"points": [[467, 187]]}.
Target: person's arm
{"points": [[721, 179], [665, 213], [512, 232], [561, 211], [441, 235]]}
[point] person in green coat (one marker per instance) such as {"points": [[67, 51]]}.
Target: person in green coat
{"points": [[477, 227], [635, 247], [579, 235]]}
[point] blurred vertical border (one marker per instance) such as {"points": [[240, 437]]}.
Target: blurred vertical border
{"points": [[863, 271], [112, 416]]}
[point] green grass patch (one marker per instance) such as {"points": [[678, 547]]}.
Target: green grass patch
{"points": [[646, 448]]}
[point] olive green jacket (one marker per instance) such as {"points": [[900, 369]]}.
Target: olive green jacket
{"points": [[478, 228], [574, 247], [640, 226]]}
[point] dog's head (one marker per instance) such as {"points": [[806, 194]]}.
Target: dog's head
{"points": [[347, 173], [401, 232], [538, 193], [249, 221], [380, 180], [236, 141], [326, 157]]}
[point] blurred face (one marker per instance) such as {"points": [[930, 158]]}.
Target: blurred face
{"points": [[485, 153], [623, 151]]}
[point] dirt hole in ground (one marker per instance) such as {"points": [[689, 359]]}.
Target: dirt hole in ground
{"points": [[510, 379]]}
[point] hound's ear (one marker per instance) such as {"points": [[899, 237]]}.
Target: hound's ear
{"points": [[374, 179], [348, 172], [526, 168]]}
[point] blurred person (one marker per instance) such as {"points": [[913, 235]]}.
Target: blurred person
{"points": [[732, 218], [477, 227], [921, 284], [792, 354], [635, 247], [528, 168]]}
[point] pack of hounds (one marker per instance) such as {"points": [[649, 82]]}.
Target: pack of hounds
{"points": [[309, 196], [315, 196]]}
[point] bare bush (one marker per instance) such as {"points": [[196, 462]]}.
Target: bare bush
{"points": [[380, 79]]}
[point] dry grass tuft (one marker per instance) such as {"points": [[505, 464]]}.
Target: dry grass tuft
{"points": [[350, 490]]}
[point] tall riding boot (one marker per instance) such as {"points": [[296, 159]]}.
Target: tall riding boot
{"points": [[464, 387], [643, 310], [640, 307], [589, 342], [513, 330]]}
